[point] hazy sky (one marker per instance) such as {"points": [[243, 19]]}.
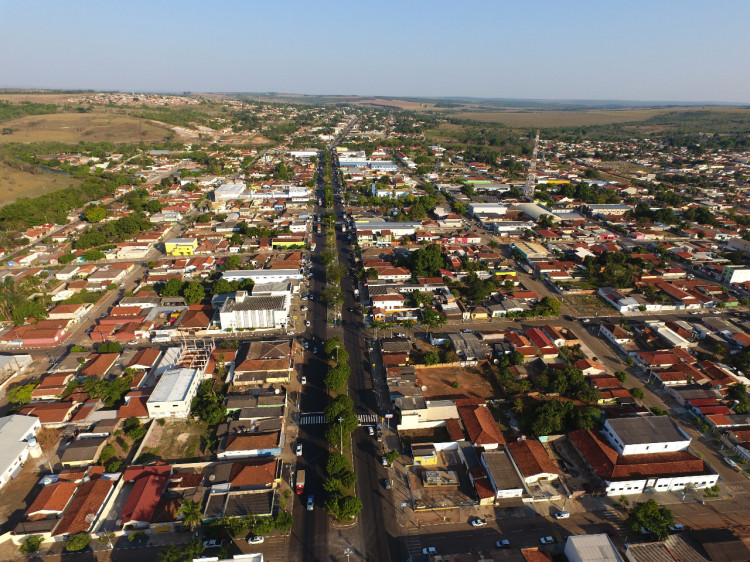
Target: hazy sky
{"points": [[681, 50]]}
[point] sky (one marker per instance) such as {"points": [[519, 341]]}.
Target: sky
{"points": [[656, 50]]}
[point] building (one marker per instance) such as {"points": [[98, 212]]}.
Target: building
{"points": [[532, 461], [644, 435], [17, 439], [180, 246], [173, 393], [503, 477], [254, 311], [82, 452], [591, 548], [735, 275], [261, 276]]}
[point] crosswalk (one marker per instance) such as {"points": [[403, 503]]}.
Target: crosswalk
{"points": [[614, 518], [318, 418], [312, 419], [414, 545]]}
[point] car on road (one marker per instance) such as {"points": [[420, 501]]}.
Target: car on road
{"points": [[504, 543], [303, 380], [387, 484], [429, 550], [586, 320], [303, 308], [676, 528], [478, 522], [466, 331], [384, 461], [298, 451], [307, 345], [304, 297], [310, 502], [370, 430], [212, 543], [307, 323], [547, 540], [562, 515], [730, 462], [255, 539]]}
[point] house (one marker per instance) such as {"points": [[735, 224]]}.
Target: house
{"points": [[180, 246], [51, 501], [17, 440], [532, 461], [503, 477], [173, 393], [263, 362], [481, 427], [643, 435], [250, 445], [84, 510], [82, 452], [148, 484], [51, 414], [72, 312]]}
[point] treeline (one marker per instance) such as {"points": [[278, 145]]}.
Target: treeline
{"points": [[113, 231], [54, 207], [10, 110]]}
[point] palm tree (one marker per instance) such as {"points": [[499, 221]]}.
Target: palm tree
{"points": [[191, 513]]}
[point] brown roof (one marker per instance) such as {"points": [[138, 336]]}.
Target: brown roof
{"points": [[48, 412], [99, 363], [480, 425], [52, 499], [89, 499], [145, 358], [252, 442], [256, 473], [197, 317], [531, 458]]}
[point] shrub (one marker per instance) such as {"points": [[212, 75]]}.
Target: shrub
{"points": [[107, 453], [30, 544], [77, 542], [161, 421], [455, 384], [114, 466], [637, 393]]}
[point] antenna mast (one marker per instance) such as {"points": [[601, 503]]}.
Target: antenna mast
{"points": [[530, 185]]}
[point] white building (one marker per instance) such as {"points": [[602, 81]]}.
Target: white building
{"points": [[229, 191], [734, 275], [645, 435], [173, 393], [484, 208], [591, 548], [255, 311], [260, 276], [17, 437]]}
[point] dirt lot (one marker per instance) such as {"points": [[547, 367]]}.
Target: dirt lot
{"points": [[587, 305], [472, 383], [177, 439], [75, 127]]}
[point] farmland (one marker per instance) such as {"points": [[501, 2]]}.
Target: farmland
{"points": [[75, 127]]}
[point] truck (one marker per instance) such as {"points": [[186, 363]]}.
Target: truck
{"points": [[300, 483]]}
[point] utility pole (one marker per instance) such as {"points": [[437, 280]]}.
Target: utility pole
{"points": [[341, 435]]}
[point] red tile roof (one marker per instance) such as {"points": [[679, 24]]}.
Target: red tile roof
{"points": [[89, 500], [51, 500], [253, 473], [531, 458]]}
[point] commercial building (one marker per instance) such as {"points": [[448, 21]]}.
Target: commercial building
{"points": [[17, 438], [180, 246], [254, 311], [173, 393], [735, 275], [260, 276]]}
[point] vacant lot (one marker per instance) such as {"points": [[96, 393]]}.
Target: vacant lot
{"points": [[561, 118], [15, 183], [88, 127], [175, 440], [440, 383]]}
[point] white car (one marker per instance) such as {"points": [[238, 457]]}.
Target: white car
{"points": [[370, 430], [298, 451], [307, 323], [303, 380], [303, 308], [255, 539], [478, 522], [546, 540], [730, 462], [562, 515], [429, 550], [676, 528]]}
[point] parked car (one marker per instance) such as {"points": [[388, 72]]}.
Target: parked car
{"points": [[387, 484], [212, 543], [310, 502], [478, 522], [299, 449], [303, 380], [307, 345], [730, 462], [370, 430], [303, 308], [255, 539], [676, 528], [547, 540], [429, 550], [562, 515], [384, 460], [505, 543], [307, 323]]}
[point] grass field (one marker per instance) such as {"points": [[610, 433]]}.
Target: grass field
{"points": [[15, 183], [177, 439], [579, 118], [76, 127]]}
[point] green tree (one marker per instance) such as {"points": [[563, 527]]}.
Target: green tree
{"points": [[21, 394], [173, 288], [637, 393], [331, 345], [651, 517], [77, 542], [349, 508], [338, 406], [427, 261], [221, 286], [432, 318], [232, 263], [336, 464], [170, 553], [30, 545], [431, 358], [191, 513], [95, 214], [194, 293]]}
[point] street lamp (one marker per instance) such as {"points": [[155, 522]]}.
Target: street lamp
{"points": [[347, 551]]}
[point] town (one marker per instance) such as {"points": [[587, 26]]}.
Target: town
{"points": [[294, 331]]}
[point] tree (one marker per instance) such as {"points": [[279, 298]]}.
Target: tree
{"points": [[191, 514], [548, 306], [173, 288], [30, 545], [637, 393], [427, 261], [170, 553], [336, 464], [622, 376], [77, 542], [370, 273], [221, 286], [331, 344], [349, 507], [232, 262], [194, 293], [433, 318], [193, 549], [21, 394], [431, 358], [95, 214], [339, 405], [651, 517]]}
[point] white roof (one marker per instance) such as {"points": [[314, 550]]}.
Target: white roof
{"points": [[13, 429], [173, 386], [592, 548]]}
